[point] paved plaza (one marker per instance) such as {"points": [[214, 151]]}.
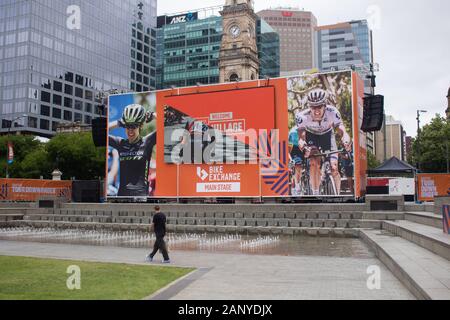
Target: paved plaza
{"points": [[222, 276]]}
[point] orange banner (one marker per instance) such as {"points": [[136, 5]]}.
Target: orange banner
{"points": [[433, 185], [34, 190], [219, 181]]}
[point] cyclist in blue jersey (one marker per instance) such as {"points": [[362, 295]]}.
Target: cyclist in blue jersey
{"points": [[296, 159], [135, 152]]}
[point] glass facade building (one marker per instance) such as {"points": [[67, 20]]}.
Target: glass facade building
{"points": [[188, 52], [268, 42], [56, 56], [345, 46]]}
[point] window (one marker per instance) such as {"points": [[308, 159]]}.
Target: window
{"points": [[69, 76], [87, 120], [68, 102], [78, 117], [88, 107], [67, 115], [79, 80], [57, 86], [79, 92], [57, 100], [45, 96], [45, 110], [45, 124], [88, 95], [46, 83], [68, 89], [78, 105], [56, 113], [54, 126], [32, 122]]}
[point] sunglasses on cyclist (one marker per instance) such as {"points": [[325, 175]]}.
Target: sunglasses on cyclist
{"points": [[132, 126], [318, 107]]}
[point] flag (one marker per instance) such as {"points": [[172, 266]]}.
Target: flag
{"points": [[10, 153]]}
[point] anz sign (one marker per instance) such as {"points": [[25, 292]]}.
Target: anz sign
{"points": [[187, 17], [183, 18]]}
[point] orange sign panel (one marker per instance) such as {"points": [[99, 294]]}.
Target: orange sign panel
{"points": [[33, 190], [219, 181], [433, 185]]}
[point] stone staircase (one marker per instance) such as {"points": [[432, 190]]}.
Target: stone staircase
{"points": [[416, 251], [324, 220]]}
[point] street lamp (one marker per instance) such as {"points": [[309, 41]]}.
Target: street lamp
{"points": [[418, 137], [9, 132]]}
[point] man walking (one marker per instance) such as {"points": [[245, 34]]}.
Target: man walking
{"points": [[159, 227]]}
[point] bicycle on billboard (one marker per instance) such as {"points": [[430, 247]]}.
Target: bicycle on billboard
{"points": [[318, 162]]}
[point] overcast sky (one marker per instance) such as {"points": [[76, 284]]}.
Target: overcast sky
{"points": [[411, 42]]}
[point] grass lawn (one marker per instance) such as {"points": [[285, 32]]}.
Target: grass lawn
{"points": [[45, 279]]}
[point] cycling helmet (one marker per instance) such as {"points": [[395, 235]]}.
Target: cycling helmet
{"points": [[134, 114], [317, 97]]}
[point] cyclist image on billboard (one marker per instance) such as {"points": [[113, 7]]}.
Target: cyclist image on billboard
{"points": [[133, 135], [320, 139]]}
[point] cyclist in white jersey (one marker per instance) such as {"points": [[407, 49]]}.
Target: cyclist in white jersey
{"points": [[317, 127]]}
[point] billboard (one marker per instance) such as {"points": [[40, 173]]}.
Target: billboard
{"points": [[433, 185], [34, 190], [321, 141], [131, 167], [237, 140]]}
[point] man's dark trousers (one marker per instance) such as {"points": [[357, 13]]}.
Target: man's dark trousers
{"points": [[160, 244]]}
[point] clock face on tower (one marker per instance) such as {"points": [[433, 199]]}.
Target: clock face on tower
{"points": [[235, 31]]}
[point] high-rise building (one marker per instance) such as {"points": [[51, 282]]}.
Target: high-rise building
{"points": [[56, 56], [346, 46], [296, 31], [188, 49], [394, 136]]}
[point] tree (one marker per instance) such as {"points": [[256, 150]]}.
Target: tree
{"points": [[23, 146], [372, 161], [432, 140], [76, 156], [36, 165]]}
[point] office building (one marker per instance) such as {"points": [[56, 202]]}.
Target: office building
{"points": [[56, 56], [188, 49], [346, 46], [296, 31], [394, 136]]}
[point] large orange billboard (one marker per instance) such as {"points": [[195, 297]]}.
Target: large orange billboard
{"points": [[433, 185], [34, 190], [236, 140]]}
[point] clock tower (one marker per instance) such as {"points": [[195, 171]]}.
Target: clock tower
{"points": [[239, 52]]}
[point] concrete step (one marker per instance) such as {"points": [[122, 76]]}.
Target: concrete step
{"points": [[86, 218], [325, 232], [430, 238], [424, 273], [244, 208], [217, 221], [383, 215], [425, 218], [4, 217], [426, 207], [241, 215], [26, 205]]}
